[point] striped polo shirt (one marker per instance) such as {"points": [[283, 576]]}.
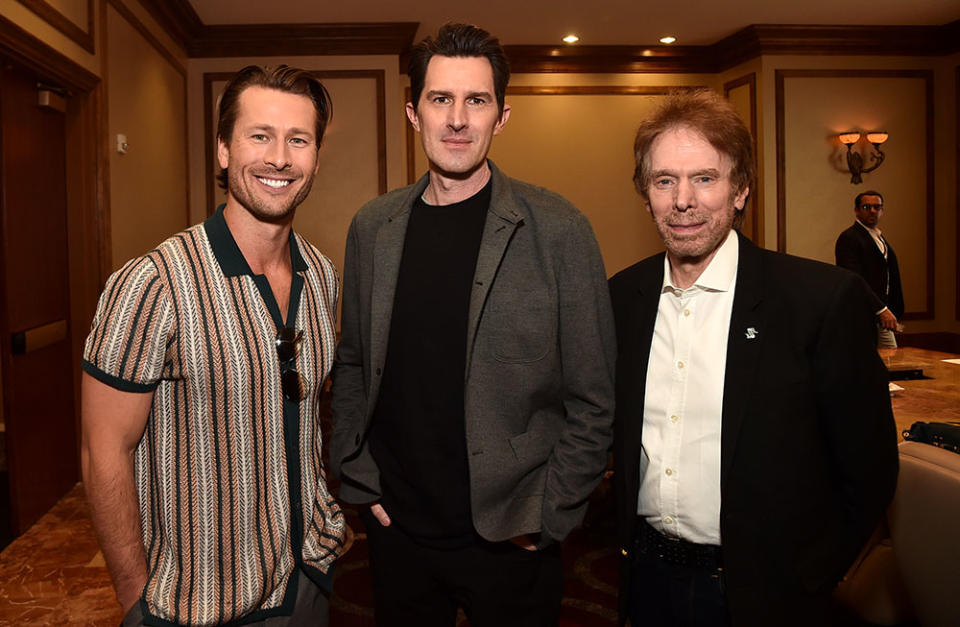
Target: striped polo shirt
{"points": [[234, 505]]}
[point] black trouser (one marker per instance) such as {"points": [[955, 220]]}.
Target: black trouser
{"points": [[670, 594], [496, 584]]}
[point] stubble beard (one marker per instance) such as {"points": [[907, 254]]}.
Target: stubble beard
{"points": [[693, 248], [255, 204]]}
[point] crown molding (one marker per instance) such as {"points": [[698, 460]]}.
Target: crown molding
{"points": [[747, 43], [177, 17], [253, 40], [181, 21], [200, 40]]}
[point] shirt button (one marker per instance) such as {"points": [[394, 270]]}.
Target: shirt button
{"points": [[668, 520], [686, 312], [669, 472], [680, 365], [674, 418]]}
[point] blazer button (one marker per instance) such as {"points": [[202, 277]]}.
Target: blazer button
{"points": [[378, 372], [623, 552]]}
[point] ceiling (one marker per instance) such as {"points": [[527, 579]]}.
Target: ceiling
{"points": [[597, 22]]}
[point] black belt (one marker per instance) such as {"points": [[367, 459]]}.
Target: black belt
{"points": [[649, 541]]}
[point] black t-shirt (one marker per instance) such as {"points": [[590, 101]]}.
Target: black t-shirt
{"points": [[417, 435]]}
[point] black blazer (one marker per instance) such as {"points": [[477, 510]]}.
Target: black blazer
{"points": [[856, 251], [808, 442]]}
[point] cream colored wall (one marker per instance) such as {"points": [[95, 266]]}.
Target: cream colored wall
{"points": [[36, 26], [146, 100], [819, 197], [349, 162], [581, 146]]}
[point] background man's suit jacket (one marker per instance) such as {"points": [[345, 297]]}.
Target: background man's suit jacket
{"points": [[856, 251], [540, 356], [808, 441]]}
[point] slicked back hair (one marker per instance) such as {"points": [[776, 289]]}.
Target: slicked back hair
{"points": [[706, 112], [459, 40], [281, 78]]}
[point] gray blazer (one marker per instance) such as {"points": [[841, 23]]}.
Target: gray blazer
{"points": [[540, 357]]}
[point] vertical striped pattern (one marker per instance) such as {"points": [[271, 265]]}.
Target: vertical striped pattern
{"points": [[211, 469]]}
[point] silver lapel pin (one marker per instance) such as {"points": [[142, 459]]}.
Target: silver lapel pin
{"points": [[751, 333]]}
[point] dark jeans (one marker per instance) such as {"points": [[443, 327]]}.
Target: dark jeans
{"points": [[496, 584], [667, 595], [312, 609]]}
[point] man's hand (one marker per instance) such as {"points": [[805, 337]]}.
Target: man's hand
{"points": [[888, 320], [380, 514], [525, 542]]}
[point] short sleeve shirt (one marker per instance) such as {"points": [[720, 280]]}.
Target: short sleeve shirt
{"points": [[231, 485]]}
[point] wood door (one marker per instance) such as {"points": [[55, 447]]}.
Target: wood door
{"points": [[35, 334]]}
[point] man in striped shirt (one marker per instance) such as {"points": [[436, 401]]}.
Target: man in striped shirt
{"points": [[203, 372]]}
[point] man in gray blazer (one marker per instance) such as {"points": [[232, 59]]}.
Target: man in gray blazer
{"points": [[473, 385]]}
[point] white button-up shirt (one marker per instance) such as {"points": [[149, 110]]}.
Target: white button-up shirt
{"points": [[680, 456]]}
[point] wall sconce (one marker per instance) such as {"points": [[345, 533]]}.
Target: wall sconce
{"points": [[855, 159]]}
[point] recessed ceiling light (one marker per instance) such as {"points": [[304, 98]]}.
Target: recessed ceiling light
{"points": [[669, 39], [571, 39]]}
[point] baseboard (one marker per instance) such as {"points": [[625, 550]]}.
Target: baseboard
{"points": [[940, 341]]}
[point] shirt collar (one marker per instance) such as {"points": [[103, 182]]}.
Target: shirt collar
{"points": [[873, 231], [229, 255], [720, 273]]}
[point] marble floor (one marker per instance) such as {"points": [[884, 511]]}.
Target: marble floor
{"points": [[54, 573]]}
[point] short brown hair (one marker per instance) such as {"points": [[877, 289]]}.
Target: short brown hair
{"points": [[459, 40], [281, 78], [706, 112]]}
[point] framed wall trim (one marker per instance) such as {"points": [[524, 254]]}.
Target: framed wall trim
{"points": [[561, 90], [927, 76], [53, 17], [756, 195], [209, 141]]}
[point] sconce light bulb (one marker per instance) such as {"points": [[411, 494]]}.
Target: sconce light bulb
{"points": [[849, 139], [877, 137]]}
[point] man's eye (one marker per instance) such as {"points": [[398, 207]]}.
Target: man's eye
{"points": [[260, 137], [299, 141], [704, 179], [476, 101], [441, 99], [663, 182]]}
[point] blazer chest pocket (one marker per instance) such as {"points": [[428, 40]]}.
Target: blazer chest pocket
{"points": [[523, 327]]}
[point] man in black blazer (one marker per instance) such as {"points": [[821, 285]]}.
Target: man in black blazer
{"points": [[754, 443], [864, 250]]}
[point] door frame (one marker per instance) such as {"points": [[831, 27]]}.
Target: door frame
{"points": [[87, 190]]}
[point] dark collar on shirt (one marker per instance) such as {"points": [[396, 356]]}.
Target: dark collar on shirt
{"points": [[228, 254]]}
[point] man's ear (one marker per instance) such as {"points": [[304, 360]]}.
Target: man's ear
{"points": [[413, 117], [223, 153], [740, 200], [503, 120]]}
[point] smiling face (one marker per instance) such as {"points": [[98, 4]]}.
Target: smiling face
{"points": [[272, 155], [457, 115], [690, 196]]}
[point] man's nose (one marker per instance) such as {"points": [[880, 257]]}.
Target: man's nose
{"points": [[685, 196], [277, 155]]}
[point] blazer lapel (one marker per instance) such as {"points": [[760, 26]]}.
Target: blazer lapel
{"points": [[388, 250], [504, 217], [746, 337]]}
